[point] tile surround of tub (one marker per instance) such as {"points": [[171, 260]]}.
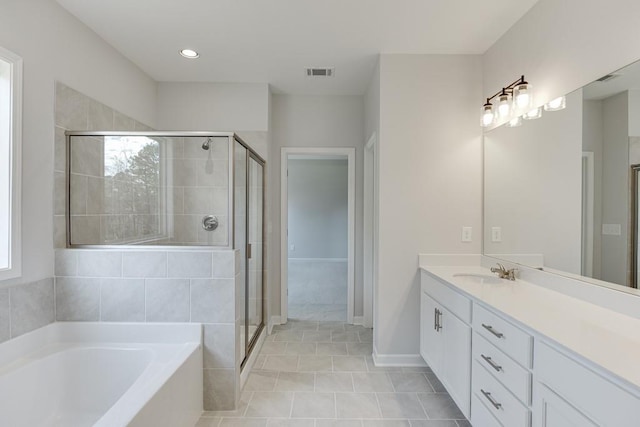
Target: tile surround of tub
{"points": [[159, 286], [26, 307]]}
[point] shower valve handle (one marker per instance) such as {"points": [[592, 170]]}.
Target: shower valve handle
{"points": [[209, 222]]}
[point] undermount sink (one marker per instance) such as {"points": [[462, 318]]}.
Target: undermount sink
{"points": [[481, 279]]}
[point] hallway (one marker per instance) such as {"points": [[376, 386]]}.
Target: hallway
{"points": [[321, 374]]}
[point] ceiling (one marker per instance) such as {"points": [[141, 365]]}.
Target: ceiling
{"points": [[272, 41]]}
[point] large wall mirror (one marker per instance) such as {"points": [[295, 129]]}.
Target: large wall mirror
{"points": [[561, 191]]}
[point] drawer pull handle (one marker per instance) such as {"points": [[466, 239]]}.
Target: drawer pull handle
{"points": [[491, 363], [490, 329], [439, 313], [491, 399]]}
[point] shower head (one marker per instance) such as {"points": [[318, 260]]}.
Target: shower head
{"points": [[207, 144]]}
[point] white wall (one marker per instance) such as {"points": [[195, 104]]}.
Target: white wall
{"points": [[213, 106], [318, 214], [533, 187], [314, 121], [561, 46], [429, 180], [56, 46], [615, 184]]}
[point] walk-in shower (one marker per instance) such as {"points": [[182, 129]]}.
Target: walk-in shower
{"points": [[167, 189]]}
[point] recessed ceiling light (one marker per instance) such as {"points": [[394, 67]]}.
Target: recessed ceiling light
{"points": [[189, 53]]}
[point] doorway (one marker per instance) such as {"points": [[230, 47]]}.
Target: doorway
{"points": [[317, 233]]}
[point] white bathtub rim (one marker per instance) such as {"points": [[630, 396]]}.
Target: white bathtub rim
{"points": [[98, 333], [144, 388]]}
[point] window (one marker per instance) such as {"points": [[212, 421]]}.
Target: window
{"points": [[10, 142]]}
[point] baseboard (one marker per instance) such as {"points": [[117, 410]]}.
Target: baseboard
{"points": [[358, 320], [407, 360], [274, 320], [318, 259]]}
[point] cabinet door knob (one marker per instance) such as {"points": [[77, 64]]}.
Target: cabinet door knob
{"points": [[491, 363], [491, 399], [493, 331]]}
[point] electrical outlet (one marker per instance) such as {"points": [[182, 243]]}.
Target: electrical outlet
{"points": [[496, 234], [466, 234], [292, 247]]}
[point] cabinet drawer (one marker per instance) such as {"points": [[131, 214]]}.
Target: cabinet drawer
{"points": [[497, 399], [504, 335], [480, 415], [503, 368], [590, 393], [454, 301]]}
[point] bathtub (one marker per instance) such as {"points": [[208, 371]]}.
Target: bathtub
{"points": [[73, 374]]}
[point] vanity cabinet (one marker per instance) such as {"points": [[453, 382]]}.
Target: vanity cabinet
{"points": [[567, 393], [445, 338], [503, 372], [501, 380]]}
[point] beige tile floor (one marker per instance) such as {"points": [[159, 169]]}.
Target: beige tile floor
{"points": [[321, 374]]}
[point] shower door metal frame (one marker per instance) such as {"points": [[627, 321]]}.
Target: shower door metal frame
{"points": [[230, 137], [250, 342]]}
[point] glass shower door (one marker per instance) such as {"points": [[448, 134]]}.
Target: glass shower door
{"points": [[248, 240], [255, 298]]}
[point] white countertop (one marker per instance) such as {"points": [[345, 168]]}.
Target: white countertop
{"points": [[602, 336]]}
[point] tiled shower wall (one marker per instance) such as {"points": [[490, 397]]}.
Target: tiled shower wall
{"points": [[76, 111], [152, 285]]}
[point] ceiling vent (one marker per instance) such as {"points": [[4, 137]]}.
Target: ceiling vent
{"points": [[320, 72], [608, 77]]}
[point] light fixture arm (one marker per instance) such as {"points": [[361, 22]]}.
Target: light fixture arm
{"points": [[508, 90]]}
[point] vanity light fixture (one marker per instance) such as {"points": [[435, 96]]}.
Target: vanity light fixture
{"points": [[556, 104], [515, 98], [516, 121], [536, 113], [189, 53]]}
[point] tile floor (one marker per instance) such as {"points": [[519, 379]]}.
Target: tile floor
{"points": [[321, 374]]}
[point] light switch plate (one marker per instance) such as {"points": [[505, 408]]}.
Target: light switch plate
{"points": [[496, 234], [611, 229], [466, 234]]}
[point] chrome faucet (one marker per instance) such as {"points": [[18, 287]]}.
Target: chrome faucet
{"points": [[503, 273]]}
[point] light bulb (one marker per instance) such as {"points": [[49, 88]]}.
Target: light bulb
{"points": [[522, 95], [516, 121], [189, 53], [536, 113], [487, 115], [556, 104], [504, 105]]}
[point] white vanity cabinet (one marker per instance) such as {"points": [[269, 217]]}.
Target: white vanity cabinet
{"points": [[567, 393], [514, 354], [501, 380], [445, 337]]}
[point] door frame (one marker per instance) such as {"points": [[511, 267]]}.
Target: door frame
{"points": [[350, 153]]}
